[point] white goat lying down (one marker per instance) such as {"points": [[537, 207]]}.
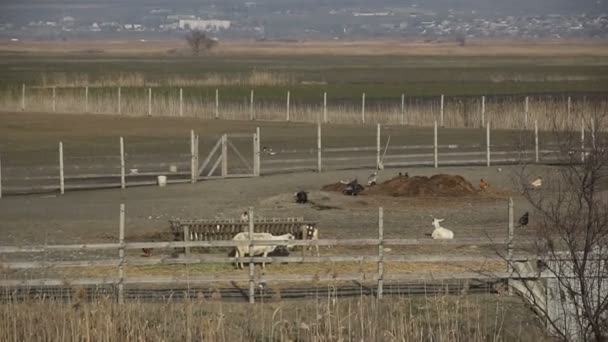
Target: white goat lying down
{"points": [[439, 232], [243, 249]]}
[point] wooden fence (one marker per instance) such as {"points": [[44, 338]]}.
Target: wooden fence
{"points": [[380, 276], [254, 162]]}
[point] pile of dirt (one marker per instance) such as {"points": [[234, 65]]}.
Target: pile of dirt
{"points": [[418, 186]]}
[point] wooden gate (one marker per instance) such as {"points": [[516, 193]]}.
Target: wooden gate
{"points": [[232, 156]]}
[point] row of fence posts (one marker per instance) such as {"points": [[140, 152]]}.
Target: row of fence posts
{"points": [[251, 225], [194, 153], [252, 113]]}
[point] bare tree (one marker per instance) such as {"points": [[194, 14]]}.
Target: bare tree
{"points": [[461, 38], [199, 42], [570, 235]]}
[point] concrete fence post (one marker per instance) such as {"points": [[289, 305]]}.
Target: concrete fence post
{"points": [[288, 99], [441, 110], [149, 101], [378, 147], [61, 174], [181, 102], [363, 108], [121, 256], [402, 109], [187, 233], [256, 152], [119, 101], [593, 133], [435, 152], [54, 99], [325, 107], [582, 140], [319, 149], [483, 111], [217, 103], [23, 97], [224, 155], [510, 242], [380, 253], [0, 176], [123, 183], [251, 264], [251, 109], [86, 99], [569, 106], [536, 153], [526, 112], [488, 145]]}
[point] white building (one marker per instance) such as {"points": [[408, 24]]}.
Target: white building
{"points": [[204, 25]]}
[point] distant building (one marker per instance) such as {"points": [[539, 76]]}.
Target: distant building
{"points": [[204, 25]]}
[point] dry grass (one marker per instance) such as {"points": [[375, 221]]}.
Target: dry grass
{"points": [[503, 113], [136, 79], [441, 318], [350, 48]]}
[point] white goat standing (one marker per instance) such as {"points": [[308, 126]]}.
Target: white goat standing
{"points": [[439, 232], [243, 249]]}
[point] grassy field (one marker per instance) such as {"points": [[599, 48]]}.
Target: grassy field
{"points": [[382, 69]]}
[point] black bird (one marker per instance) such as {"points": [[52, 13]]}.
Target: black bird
{"points": [[301, 197], [523, 221]]}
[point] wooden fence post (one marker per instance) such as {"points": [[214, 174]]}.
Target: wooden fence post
{"points": [[510, 233], [378, 147], [54, 99], [402, 109], [380, 252], [186, 229], [61, 179], [288, 98], [441, 110], [86, 99], [488, 144], [123, 184], [536, 155], [569, 106], [23, 97], [121, 256], [526, 111], [319, 148], [150, 101], [363, 108], [483, 111], [325, 107], [181, 102], [251, 111], [224, 155], [217, 103], [119, 101], [251, 265], [582, 140], [435, 156], [256, 152]]}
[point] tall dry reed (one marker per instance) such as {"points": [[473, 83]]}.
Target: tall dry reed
{"points": [[501, 112], [403, 318]]}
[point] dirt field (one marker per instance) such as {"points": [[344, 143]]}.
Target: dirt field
{"points": [[92, 215], [351, 48]]}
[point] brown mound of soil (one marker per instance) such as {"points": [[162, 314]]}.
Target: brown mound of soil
{"points": [[437, 185], [418, 186], [337, 187]]}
